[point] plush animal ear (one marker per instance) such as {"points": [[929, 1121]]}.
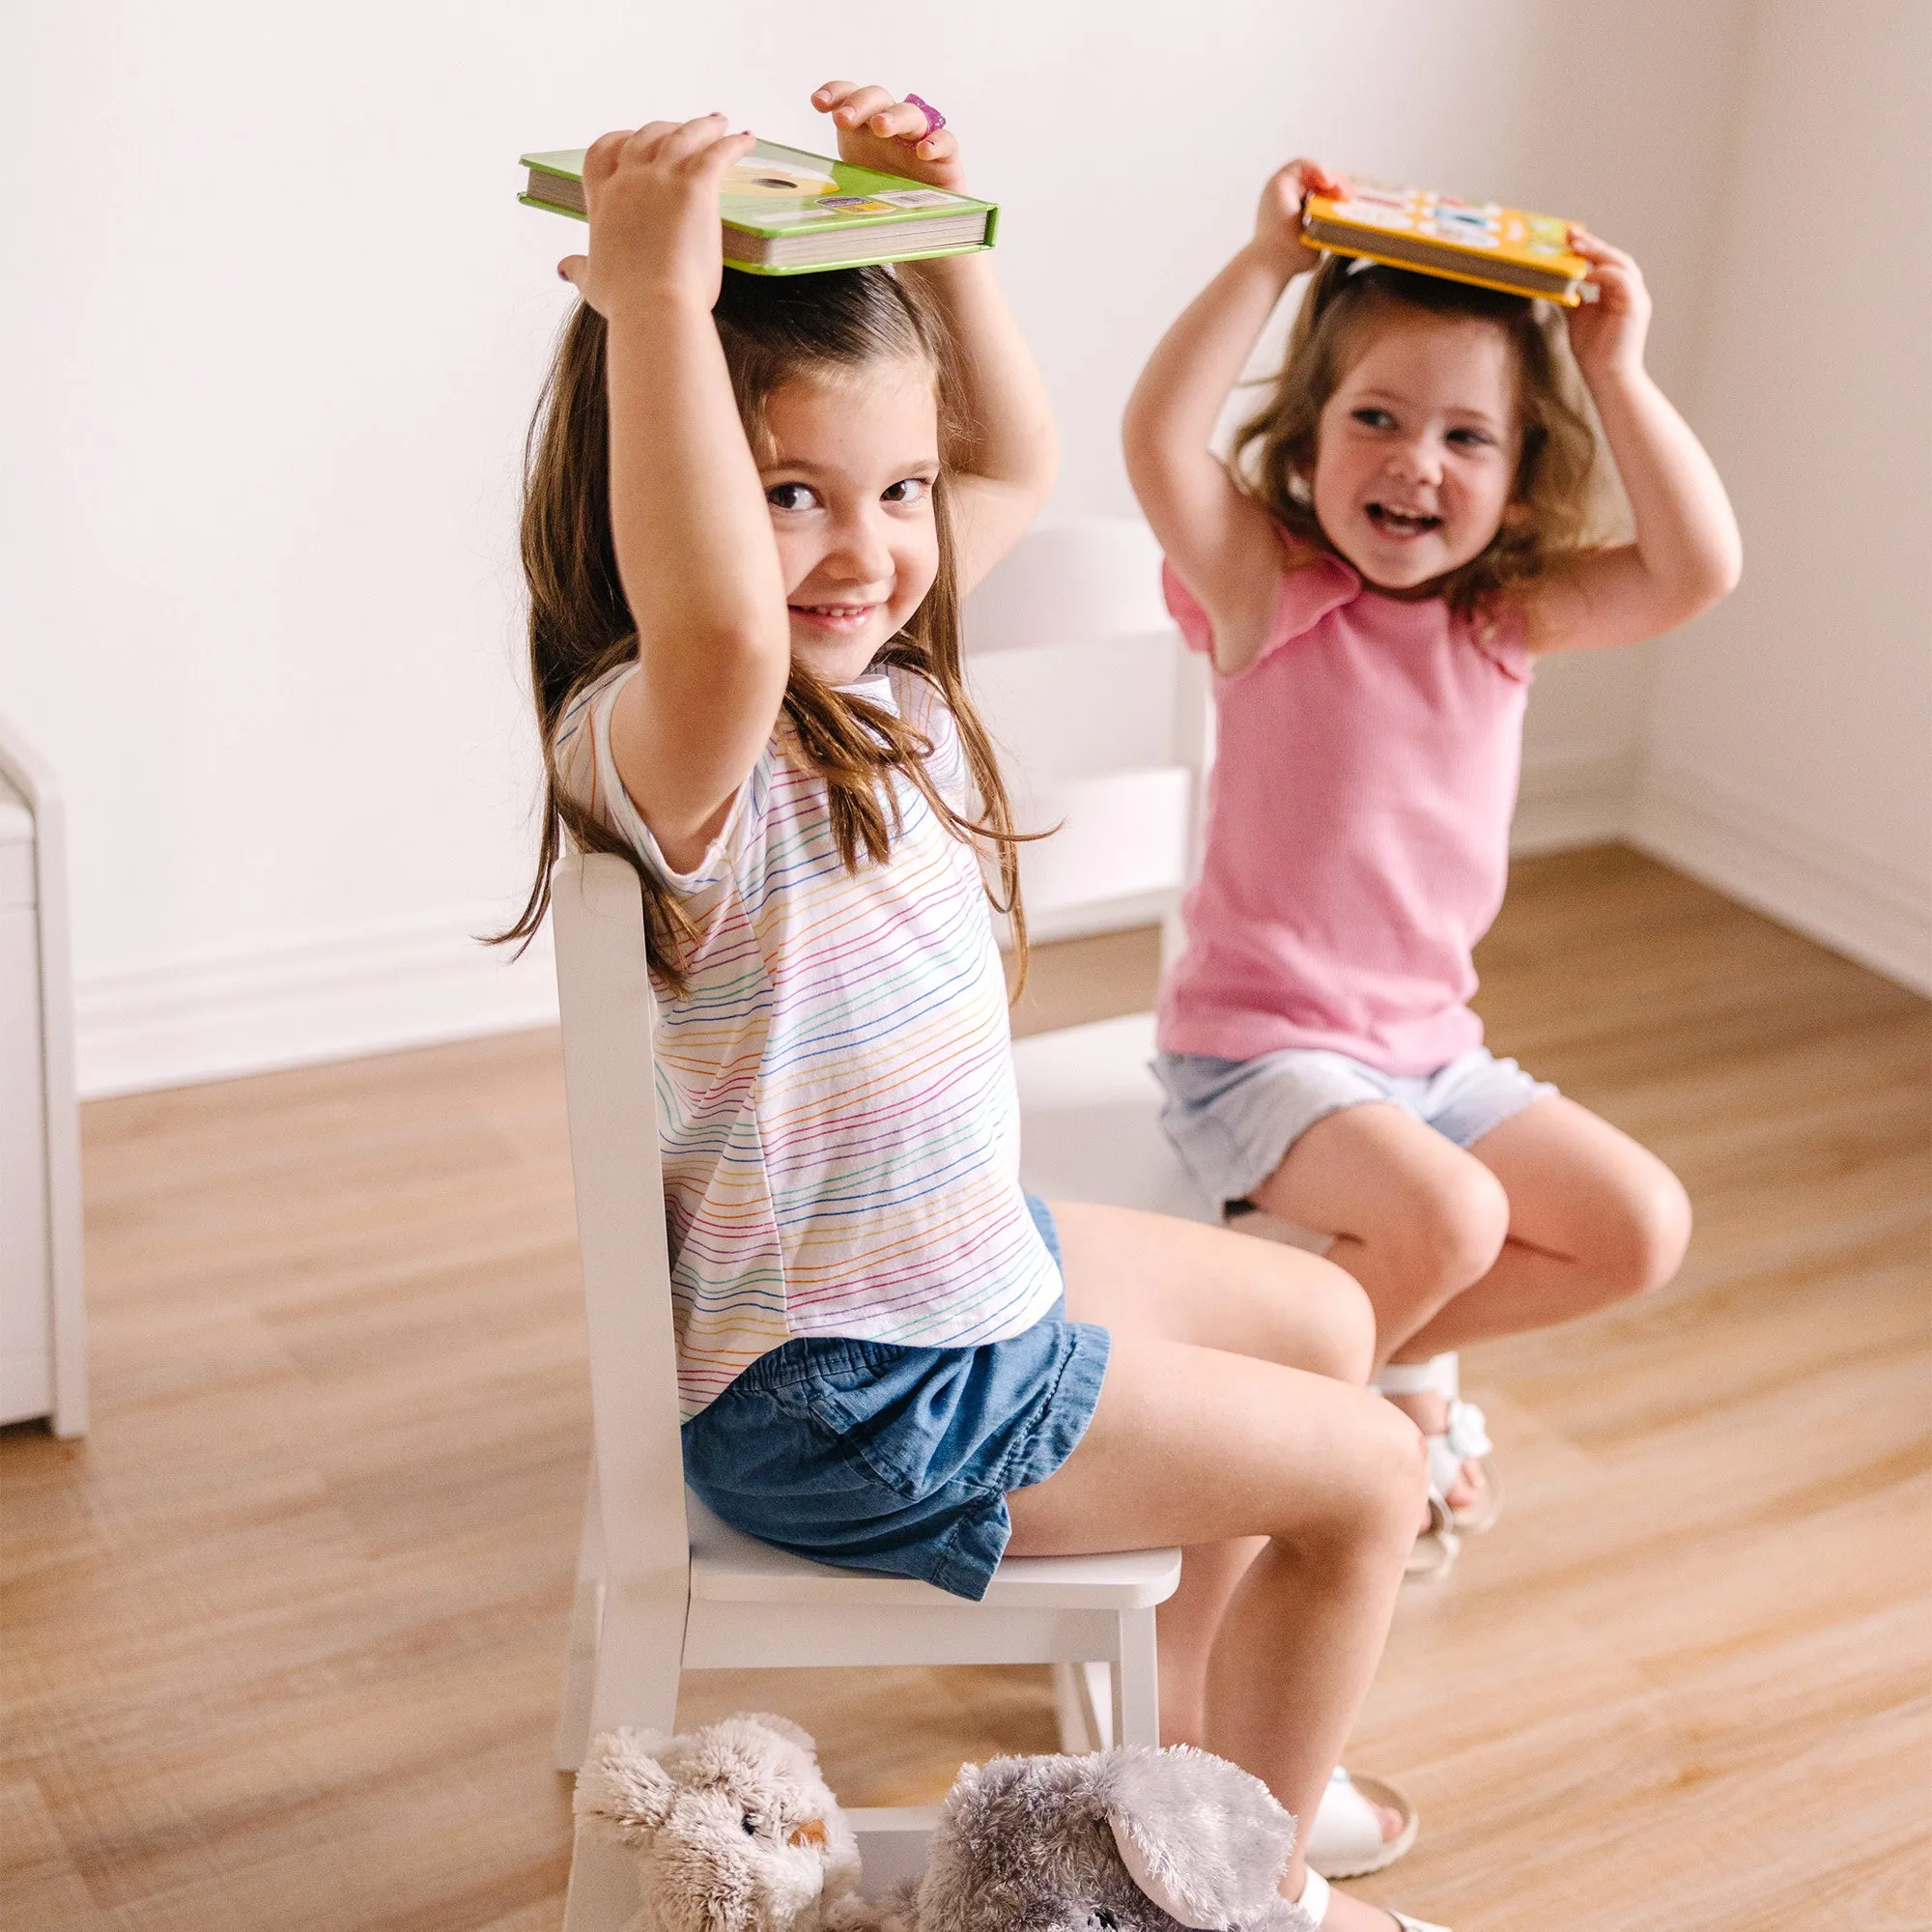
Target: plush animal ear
{"points": [[784, 1727], [1201, 1837], [623, 1785]]}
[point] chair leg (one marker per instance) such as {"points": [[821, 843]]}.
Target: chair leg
{"points": [[892, 1844], [604, 1894], [1137, 1681], [580, 1658]]}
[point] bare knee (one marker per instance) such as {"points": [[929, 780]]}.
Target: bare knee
{"points": [[1448, 1236], [1339, 1339], [1642, 1240], [1378, 1495]]}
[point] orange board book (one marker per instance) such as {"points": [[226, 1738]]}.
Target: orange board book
{"points": [[1495, 247]]}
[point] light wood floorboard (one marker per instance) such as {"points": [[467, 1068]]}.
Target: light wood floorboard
{"points": [[279, 1642]]}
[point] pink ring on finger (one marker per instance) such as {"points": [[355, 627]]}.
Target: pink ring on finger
{"points": [[934, 120]]}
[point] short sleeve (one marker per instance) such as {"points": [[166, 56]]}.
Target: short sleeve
{"points": [[589, 774], [926, 712], [1312, 584]]}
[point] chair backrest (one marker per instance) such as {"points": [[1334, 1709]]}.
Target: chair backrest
{"points": [[1110, 739], [604, 993]]}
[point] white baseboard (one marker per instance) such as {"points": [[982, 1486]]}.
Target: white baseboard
{"points": [[1574, 800], [388, 988], [1856, 906], [333, 999]]}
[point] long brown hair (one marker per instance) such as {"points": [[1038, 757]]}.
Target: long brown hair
{"points": [[774, 331], [1556, 495]]}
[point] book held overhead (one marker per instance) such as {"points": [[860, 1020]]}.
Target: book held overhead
{"points": [[1506, 248], [786, 211]]}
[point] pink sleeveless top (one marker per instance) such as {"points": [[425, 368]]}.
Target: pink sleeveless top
{"points": [[1358, 817]]}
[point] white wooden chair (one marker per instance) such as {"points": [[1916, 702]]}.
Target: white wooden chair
{"points": [[661, 1584], [1111, 739]]}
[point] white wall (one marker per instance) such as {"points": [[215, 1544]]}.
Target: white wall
{"points": [[276, 321], [1790, 732]]}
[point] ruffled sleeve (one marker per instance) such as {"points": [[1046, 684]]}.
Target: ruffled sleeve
{"points": [[1312, 584]]}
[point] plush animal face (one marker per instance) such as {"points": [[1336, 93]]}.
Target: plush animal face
{"points": [[1129, 1840], [733, 1826]]}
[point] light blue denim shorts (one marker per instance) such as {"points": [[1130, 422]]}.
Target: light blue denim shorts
{"points": [[878, 1457], [1233, 1120]]}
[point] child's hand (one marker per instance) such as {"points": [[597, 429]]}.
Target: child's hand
{"points": [[654, 224], [1607, 336], [889, 136], [1278, 220]]}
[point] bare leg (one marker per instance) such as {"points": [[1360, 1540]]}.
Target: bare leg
{"points": [[1204, 1446], [1149, 1274], [1550, 1215]]}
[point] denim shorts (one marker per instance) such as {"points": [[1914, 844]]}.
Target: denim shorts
{"points": [[1233, 1120], [882, 1457]]}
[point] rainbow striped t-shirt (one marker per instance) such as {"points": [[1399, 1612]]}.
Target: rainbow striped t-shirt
{"points": [[836, 1101]]}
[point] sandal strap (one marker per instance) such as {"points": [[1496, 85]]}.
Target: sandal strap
{"points": [[1439, 1374], [1313, 1899], [1467, 1439], [1314, 1903]]}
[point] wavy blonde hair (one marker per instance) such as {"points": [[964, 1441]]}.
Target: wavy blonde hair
{"points": [[774, 331], [1556, 506]]}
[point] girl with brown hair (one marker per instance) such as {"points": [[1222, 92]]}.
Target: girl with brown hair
{"points": [[754, 505], [1402, 531]]}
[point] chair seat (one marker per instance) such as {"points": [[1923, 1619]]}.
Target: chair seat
{"points": [[1091, 1113], [729, 1567]]}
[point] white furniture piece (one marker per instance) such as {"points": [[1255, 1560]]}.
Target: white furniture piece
{"points": [[1102, 720], [43, 1322], [1118, 763], [663, 1586]]}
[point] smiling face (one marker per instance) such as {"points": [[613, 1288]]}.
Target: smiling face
{"points": [[849, 478], [1417, 449]]}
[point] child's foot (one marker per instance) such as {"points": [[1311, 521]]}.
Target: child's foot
{"points": [[1336, 1912]]}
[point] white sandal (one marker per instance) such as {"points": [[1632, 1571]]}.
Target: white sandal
{"points": [[1465, 1439], [1314, 1906], [1346, 1839]]}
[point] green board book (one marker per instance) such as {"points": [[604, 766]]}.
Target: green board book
{"points": [[787, 212]]}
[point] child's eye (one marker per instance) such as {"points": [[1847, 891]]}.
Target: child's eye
{"points": [[908, 489], [1471, 439], [790, 497], [1372, 418]]}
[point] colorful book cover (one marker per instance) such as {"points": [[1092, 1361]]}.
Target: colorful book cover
{"points": [[1494, 248], [787, 210]]}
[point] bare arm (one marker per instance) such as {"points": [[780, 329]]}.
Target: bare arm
{"points": [[1003, 466], [1221, 541], [693, 535], [1686, 554]]}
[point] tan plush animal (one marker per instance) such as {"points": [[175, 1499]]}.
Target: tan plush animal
{"points": [[732, 1828]]}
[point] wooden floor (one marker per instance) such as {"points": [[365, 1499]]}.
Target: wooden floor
{"points": [[279, 1640]]}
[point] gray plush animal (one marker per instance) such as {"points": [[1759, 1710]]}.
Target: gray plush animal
{"points": [[734, 1828], [1127, 1841]]}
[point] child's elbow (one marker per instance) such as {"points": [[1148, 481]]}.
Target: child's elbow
{"points": [[1714, 576], [1726, 572]]}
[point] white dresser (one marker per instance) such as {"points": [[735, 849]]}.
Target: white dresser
{"points": [[43, 1329]]}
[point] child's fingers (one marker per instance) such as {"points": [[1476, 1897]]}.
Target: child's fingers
{"points": [[687, 140], [939, 147], [862, 102], [834, 93], [1594, 248], [719, 156], [601, 158], [900, 121], [1316, 179]]}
